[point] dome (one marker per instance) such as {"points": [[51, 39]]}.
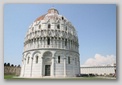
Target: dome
{"points": [[50, 11], [40, 18], [51, 25]]}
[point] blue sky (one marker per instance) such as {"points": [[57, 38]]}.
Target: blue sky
{"points": [[95, 25]]}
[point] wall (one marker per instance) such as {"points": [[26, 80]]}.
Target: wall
{"points": [[12, 70]]}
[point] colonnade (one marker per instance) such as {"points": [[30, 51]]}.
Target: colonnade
{"points": [[42, 70], [51, 42]]}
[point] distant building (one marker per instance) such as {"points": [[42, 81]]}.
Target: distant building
{"points": [[99, 70], [51, 47]]}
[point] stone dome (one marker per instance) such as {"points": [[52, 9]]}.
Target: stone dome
{"points": [[51, 26]]}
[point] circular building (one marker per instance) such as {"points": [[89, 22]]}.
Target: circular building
{"points": [[51, 47]]}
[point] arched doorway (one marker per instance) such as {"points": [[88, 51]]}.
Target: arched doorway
{"points": [[47, 57]]}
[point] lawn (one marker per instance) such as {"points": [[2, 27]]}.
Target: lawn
{"points": [[77, 78]]}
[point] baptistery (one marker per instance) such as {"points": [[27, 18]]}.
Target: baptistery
{"points": [[51, 47]]}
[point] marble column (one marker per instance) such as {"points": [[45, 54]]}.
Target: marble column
{"points": [[39, 42], [42, 42], [57, 43], [24, 67], [52, 67], [69, 45], [31, 66], [53, 42], [41, 70], [61, 43], [64, 67], [73, 63], [46, 43]]}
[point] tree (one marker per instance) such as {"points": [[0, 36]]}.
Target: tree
{"points": [[12, 65], [5, 64], [8, 64], [18, 65]]}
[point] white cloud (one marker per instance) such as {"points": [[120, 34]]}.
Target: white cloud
{"points": [[99, 60]]}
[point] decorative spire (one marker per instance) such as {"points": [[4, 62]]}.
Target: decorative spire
{"points": [[53, 10]]}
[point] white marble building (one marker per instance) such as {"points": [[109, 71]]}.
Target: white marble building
{"points": [[51, 48], [99, 70]]}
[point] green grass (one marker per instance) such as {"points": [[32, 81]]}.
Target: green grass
{"points": [[77, 78], [8, 76]]}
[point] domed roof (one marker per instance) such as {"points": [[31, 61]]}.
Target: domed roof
{"points": [[54, 22], [50, 11], [53, 10], [40, 18]]}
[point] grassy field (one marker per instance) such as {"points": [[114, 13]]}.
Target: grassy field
{"points": [[8, 77]]}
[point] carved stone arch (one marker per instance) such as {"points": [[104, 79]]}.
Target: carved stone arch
{"points": [[67, 54], [36, 53], [58, 52], [69, 57], [47, 53], [47, 57], [26, 55], [36, 56]]}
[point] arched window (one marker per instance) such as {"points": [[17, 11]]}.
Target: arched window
{"points": [[48, 41], [39, 26], [68, 60], [62, 18], [48, 25], [58, 26], [66, 42], [28, 60], [75, 61], [58, 59], [37, 59]]}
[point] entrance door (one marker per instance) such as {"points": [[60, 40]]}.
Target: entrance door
{"points": [[47, 70]]}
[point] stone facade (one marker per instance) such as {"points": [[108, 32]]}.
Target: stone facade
{"points": [[51, 48]]}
